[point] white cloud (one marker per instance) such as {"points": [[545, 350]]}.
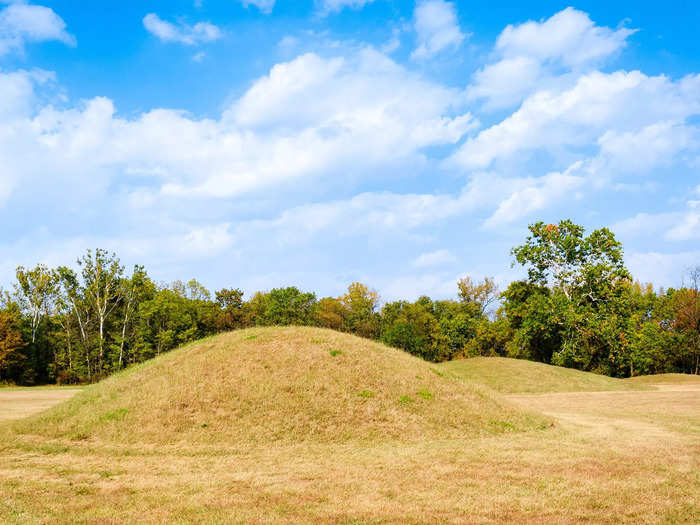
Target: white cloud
{"points": [[688, 227], [569, 37], [535, 194], [22, 23], [326, 7], [362, 215], [643, 224], [436, 258], [437, 28], [677, 225], [265, 6], [369, 214], [661, 269], [598, 103], [310, 117], [504, 83], [183, 33], [537, 55], [644, 149]]}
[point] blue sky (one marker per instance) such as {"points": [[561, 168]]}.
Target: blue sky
{"points": [[401, 143]]}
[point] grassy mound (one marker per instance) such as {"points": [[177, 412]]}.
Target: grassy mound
{"points": [[267, 385], [515, 376], [666, 379]]}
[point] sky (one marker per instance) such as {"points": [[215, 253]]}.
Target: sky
{"points": [[404, 144]]}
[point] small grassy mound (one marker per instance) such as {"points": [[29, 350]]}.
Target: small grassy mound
{"points": [[666, 379], [515, 376], [267, 385]]}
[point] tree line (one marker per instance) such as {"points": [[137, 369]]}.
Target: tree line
{"points": [[578, 307]]}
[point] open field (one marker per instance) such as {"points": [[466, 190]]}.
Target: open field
{"points": [[17, 403], [630, 456]]}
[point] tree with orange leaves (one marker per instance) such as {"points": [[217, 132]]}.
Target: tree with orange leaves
{"points": [[11, 344], [686, 305]]}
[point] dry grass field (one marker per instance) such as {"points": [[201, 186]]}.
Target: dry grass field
{"points": [[18, 403], [203, 435]]}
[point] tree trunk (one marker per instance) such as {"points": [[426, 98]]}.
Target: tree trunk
{"points": [[121, 346]]}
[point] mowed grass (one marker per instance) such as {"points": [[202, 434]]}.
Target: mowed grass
{"points": [[510, 376], [18, 403], [609, 457]]}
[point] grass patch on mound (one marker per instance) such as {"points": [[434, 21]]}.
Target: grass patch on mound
{"points": [[516, 376], [666, 379], [283, 386]]}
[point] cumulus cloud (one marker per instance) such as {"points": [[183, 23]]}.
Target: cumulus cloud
{"points": [[309, 117], [22, 23], [536, 55], [437, 28], [265, 6], [569, 37], [190, 35], [641, 150], [597, 104]]}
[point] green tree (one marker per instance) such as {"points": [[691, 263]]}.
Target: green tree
{"points": [[482, 295], [230, 302], [134, 290], [36, 289], [331, 313], [574, 303], [361, 303], [288, 306], [102, 276]]}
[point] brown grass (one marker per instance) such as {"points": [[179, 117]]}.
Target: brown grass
{"points": [[20, 403], [280, 385], [509, 376], [613, 457]]}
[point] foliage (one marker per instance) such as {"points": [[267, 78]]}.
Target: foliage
{"points": [[578, 308], [11, 344]]}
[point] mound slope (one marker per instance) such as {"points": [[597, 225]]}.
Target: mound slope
{"points": [[666, 379], [516, 376], [280, 385]]}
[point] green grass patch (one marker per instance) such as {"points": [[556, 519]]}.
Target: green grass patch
{"points": [[366, 394], [116, 415], [335, 352], [424, 394], [503, 425]]}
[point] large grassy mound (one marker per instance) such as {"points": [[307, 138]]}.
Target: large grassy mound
{"points": [[267, 385], [514, 376]]}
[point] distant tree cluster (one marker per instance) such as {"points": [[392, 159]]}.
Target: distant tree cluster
{"points": [[578, 307]]}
